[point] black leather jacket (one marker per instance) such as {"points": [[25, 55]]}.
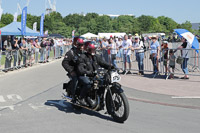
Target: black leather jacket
{"points": [[70, 61], [89, 64]]}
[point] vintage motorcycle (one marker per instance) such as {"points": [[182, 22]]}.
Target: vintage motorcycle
{"points": [[105, 91]]}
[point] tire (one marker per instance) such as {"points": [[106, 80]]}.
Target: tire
{"points": [[121, 99]]}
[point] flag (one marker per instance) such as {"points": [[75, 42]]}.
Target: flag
{"points": [[35, 26], [15, 17], [1, 12], [42, 25], [23, 21]]}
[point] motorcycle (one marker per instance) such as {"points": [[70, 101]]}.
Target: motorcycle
{"points": [[105, 91]]}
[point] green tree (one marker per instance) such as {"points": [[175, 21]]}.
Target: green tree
{"points": [[168, 24], [73, 20], [149, 24], [6, 19], [104, 24], [125, 23], [187, 25]]}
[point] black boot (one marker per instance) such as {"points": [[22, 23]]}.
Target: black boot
{"points": [[73, 99]]}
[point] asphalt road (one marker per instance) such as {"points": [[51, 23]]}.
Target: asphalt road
{"points": [[30, 101]]}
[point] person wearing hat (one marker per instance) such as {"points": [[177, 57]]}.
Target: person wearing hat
{"points": [[154, 53], [138, 46]]}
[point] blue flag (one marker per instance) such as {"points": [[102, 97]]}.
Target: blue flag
{"points": [[42, 25], [23, 21]]}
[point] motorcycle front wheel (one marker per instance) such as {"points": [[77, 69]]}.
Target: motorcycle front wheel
{"points": [[117, 106]]}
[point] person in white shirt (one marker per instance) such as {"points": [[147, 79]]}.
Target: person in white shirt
{"points": [[57, 48], [138, 46], [113, 50], [126, 46]]}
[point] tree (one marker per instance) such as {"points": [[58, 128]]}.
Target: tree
{"points": [[6, 19], [73, 20], [187, 25], [168, 24], [104, 24], [128, 24], [92, 22], [149, 24]]}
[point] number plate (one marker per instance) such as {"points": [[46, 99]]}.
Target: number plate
{"points": [[115, 77]]}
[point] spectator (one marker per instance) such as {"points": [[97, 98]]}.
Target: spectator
{"points": [[15, 48], [154, 53], [105, 50], [120, 51], [185, 54], [65, 46], [164, 48], [61, 47], [37, 49], [48, 49], [0, 52], [113, 50], [43, 51], [126, 45], [172, 63], [24, 49], [138, 46], [8, 47], [30, 51]]}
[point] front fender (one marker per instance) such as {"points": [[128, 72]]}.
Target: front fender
{"points": [[116, 88]]}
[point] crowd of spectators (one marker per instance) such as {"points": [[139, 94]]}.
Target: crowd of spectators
{"points": [[113, 50], [30, 51]]}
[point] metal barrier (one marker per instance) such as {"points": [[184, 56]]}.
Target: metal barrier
{"points": [[16, 59], [193, 63]]}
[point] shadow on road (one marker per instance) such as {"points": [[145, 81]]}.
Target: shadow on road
{"points": [[64, 106]]}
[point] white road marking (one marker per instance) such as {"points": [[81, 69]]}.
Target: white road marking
{"points": [[36, 107], [186, 97], [14, 97], [2, 99], [11, 107]]}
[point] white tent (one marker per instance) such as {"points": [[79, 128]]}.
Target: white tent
{"points": [[107, 35], [89, 35]]}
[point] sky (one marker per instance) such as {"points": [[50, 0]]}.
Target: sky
{"points": [[178, 10]]}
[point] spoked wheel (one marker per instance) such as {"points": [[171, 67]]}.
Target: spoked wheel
{"points": [[117, 106]]}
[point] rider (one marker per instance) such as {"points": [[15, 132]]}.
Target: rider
{"points": [[89, 63], [70, 62]]}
